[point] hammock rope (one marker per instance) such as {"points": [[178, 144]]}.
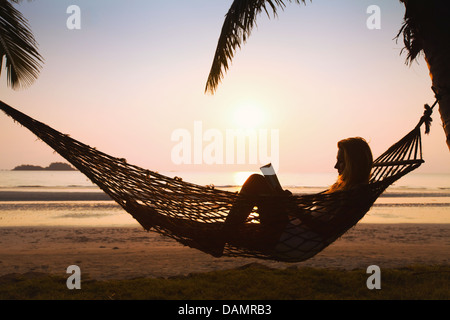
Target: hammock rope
{"points": [[194, 215]]}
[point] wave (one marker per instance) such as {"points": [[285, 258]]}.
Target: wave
{"points": [[428, 205], [60, 206], [70, 186], [415, 195]]}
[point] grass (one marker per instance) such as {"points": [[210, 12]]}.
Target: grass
{"points": [[252, 282]]}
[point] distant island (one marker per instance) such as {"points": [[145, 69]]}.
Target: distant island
{"points": [[55, 166]]}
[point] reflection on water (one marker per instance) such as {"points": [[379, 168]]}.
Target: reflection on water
{"points": [[414, 199], [108, 213], [80, 213]]}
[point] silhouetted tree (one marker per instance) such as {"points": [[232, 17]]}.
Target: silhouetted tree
{"points": [[18, 48]]}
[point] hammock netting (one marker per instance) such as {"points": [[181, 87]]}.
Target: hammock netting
{"points": [[194, 215]]}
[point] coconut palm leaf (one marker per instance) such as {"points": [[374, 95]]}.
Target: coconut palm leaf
{"points": [[410, 28], [18, 47], [238, 24], [425, 23]]}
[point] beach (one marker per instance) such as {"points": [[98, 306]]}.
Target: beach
{"points": [[49, 227], [131, 252]]}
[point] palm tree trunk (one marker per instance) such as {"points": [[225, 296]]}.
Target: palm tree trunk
{"points": [[438, 60], [427, 29]]}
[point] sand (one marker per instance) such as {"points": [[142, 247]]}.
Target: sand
{"points": [[131, 252]]}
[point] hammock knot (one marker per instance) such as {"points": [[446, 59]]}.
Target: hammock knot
{"points": [[426, 118]]}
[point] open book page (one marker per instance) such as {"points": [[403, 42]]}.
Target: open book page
{"points": [[269, 173]]}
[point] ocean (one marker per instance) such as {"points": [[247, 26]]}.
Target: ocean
{"points": [[416, 198]]}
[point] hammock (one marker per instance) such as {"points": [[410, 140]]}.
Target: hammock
{"points": [[194, 215]]}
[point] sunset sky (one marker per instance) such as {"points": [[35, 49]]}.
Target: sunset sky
{"points": [[134, 76]]}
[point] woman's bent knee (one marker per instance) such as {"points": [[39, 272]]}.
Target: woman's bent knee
{"points": [[256, 184], [255, 178]]}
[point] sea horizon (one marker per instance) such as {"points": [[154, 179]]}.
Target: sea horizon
{"points": [[74, 179]]}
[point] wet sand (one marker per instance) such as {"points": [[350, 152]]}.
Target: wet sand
{"points": [[131, 252]]}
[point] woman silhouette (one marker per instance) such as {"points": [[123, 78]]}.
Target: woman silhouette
{"points": [[354, 165]]}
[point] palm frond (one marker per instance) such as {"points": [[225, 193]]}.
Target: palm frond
{"points": [[425, 23], [410, 31], [18, 48], [237, 27]]}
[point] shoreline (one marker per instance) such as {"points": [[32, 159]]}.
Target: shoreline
{"points": [[82, 206], [90, 194], [108, 244], [130, 252], [19, 196]]}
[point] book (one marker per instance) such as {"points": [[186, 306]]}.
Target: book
{"points": [[269, 173]]}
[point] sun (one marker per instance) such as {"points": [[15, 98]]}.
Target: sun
{"points": [[249, 116], [239, 177]]}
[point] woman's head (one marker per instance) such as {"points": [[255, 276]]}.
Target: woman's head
{"points": [[354, 163]]}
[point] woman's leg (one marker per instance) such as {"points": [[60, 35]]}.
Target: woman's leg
{"points": [[254, 186], [271, 215]]}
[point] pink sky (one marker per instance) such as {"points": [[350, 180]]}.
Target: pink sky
{"points": [[135, 74]]}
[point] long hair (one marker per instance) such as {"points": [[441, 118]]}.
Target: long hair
{"points": [[358, 164]]}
